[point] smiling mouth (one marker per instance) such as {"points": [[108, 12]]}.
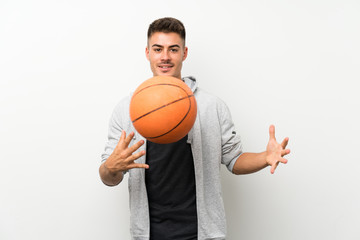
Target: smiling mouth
{"points": [[165, 67]]}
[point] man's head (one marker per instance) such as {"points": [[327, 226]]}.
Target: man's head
{"points": [[166, 47], [167, 25]]}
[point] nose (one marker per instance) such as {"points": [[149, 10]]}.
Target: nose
{"points": [[165, 56]]}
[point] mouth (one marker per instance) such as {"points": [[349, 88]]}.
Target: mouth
{"points": [[165, 67]]}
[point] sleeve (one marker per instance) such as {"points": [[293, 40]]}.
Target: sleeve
{"points": [[114, 133], [230, 139]]}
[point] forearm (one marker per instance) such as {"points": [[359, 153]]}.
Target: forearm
{"points": [[110, 178], [250, 163]]}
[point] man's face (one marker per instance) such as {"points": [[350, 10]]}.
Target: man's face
{"points": [[166, 52]]}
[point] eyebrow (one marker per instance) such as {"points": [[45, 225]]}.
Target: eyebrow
{"points": [[171, 46]]}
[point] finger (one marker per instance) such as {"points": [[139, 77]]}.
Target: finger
{"points": [[272, 132], [138, 165], [285, 142], [121, 140], [283, 160], [136, 146], [135, 156], [273, 167], [128, 139], [285, 152]]}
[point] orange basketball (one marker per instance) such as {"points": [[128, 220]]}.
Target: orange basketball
{"points": [[163, 109]]}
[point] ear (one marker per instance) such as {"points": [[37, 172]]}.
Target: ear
{"points": [[185, 53], [147, 53]]}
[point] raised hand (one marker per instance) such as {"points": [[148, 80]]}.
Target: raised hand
{"points": [[123, 157], [276, 151]]}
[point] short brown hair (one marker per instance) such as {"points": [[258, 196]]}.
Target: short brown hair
{"points": [[167, 25]]}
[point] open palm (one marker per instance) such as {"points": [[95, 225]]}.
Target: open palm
{"points": [[276, 151]]}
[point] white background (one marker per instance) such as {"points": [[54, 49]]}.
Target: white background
{"points": [[65, 64]]}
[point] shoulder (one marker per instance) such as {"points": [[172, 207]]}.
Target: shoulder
{"points": [[123, 104], [121, 110], [209, 100]]}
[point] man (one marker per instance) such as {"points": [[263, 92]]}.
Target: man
{"points": [[175, 189]]}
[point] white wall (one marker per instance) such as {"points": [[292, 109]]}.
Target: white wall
{"points": [[65, 64]]}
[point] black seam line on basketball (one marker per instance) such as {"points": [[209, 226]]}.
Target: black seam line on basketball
{"points": [[177, 124], [158, 84], [188, 96]]}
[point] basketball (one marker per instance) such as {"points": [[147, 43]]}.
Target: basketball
{"points": [[163, 109]]}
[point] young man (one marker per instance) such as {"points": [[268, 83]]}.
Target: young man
{"points": [[175, 189]]}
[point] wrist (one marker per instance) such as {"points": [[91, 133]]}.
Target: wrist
{"points": [[110, 171], [264, 158]]}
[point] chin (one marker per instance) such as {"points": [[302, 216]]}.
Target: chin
{"points": [[166, 74]]}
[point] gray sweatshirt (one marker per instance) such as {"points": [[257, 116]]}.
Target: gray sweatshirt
{"points": [[213, 140]]}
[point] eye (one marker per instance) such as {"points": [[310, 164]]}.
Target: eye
{"points": [[157, 49], [174, 50]]}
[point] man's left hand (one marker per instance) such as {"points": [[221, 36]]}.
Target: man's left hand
{"points": [[276, 151]]}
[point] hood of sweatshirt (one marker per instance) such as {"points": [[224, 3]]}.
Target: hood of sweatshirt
{"points": [[191, 82]]}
